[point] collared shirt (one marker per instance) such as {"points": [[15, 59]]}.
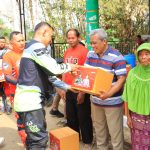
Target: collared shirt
{"points": [[113, 62]]}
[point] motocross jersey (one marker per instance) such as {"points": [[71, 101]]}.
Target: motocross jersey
{"points": [[35, 68]]}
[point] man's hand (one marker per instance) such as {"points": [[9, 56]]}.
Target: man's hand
{"points": [[103, 95], [114, 88], [62, 93], [73, 90], [80, 98], [74, 67]]}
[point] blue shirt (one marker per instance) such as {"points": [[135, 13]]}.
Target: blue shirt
{"points": [[113, 62]]}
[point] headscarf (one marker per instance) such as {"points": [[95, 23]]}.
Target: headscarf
{"points": [[137, 87], [143, 72]]}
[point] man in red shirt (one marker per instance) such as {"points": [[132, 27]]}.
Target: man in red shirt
{"points": [[78, 109]]}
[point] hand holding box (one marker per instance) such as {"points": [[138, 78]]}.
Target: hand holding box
{"points": [[92, 80]]}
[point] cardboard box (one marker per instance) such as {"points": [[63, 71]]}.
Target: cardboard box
{"points": [[92, 80], [64, 139]]}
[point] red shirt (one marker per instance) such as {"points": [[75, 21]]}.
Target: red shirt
{"points": [[74, 55]]}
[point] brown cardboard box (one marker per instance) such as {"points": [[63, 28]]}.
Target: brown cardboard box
{"points": [[64, 139], [92, 80]]}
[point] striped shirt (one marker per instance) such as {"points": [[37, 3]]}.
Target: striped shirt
{"points": [[113, 62]]}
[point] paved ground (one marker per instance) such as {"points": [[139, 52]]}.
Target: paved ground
{"points": [[12, 140]]}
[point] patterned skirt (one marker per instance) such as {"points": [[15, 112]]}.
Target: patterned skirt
{"points": [[140, 133]]}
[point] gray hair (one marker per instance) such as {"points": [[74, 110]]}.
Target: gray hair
{"points": [[102, 35]]}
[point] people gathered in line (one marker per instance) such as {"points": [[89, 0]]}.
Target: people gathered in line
{"points": [[30, 75]]}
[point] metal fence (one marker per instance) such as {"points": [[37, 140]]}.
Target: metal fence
{"points": [[58, 49], [124, 47]]}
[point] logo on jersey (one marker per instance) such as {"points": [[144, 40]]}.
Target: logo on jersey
{"points": [[39, 52], [32, 127], [5, 66], [72, 60], [18, 63]]}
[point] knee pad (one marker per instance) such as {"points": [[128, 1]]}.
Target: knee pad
{"points": [[16, 115], [11, 100], [23, 136]]}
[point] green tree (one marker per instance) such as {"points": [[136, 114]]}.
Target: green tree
{"points": [[124, 19], [64, 14], [4, 31]]}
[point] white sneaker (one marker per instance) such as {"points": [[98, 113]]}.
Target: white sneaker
{"points": [[2, 141]]}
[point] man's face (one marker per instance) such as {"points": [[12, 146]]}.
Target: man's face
{"points": [[47, 36], [138, 40], [72, 38], [18, 42], [97, 44], [2, 43]]}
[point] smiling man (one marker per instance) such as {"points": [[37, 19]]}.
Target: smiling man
{"points": [[11, 59], [109, 104], [11, 62]]}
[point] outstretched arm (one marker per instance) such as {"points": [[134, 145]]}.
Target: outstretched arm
{"points": [[58, 83], [49, 64]]}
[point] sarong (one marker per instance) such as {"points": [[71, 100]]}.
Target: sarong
{"points": [[140, 133]]}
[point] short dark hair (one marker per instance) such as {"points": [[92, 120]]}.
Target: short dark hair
{"points": [[82, 43], [2, 37], [41, 24], [75, 30], [13, 33], [139, 36]]}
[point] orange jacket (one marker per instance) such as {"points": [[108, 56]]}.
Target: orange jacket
{"points": [[11, 62]]}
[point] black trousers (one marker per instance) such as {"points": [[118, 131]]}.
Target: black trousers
{"points": [[35, 128], [79, 116]]}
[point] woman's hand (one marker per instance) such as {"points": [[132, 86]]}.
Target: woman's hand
{"points": [[129, 121]]}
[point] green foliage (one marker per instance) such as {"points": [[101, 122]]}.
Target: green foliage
{"points": [[4, 31], [65, 14], [30, 34], [1, 22], [124, 19]]}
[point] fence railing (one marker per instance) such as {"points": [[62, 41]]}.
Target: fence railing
{"points": [[58, 49], [124, 47]]}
